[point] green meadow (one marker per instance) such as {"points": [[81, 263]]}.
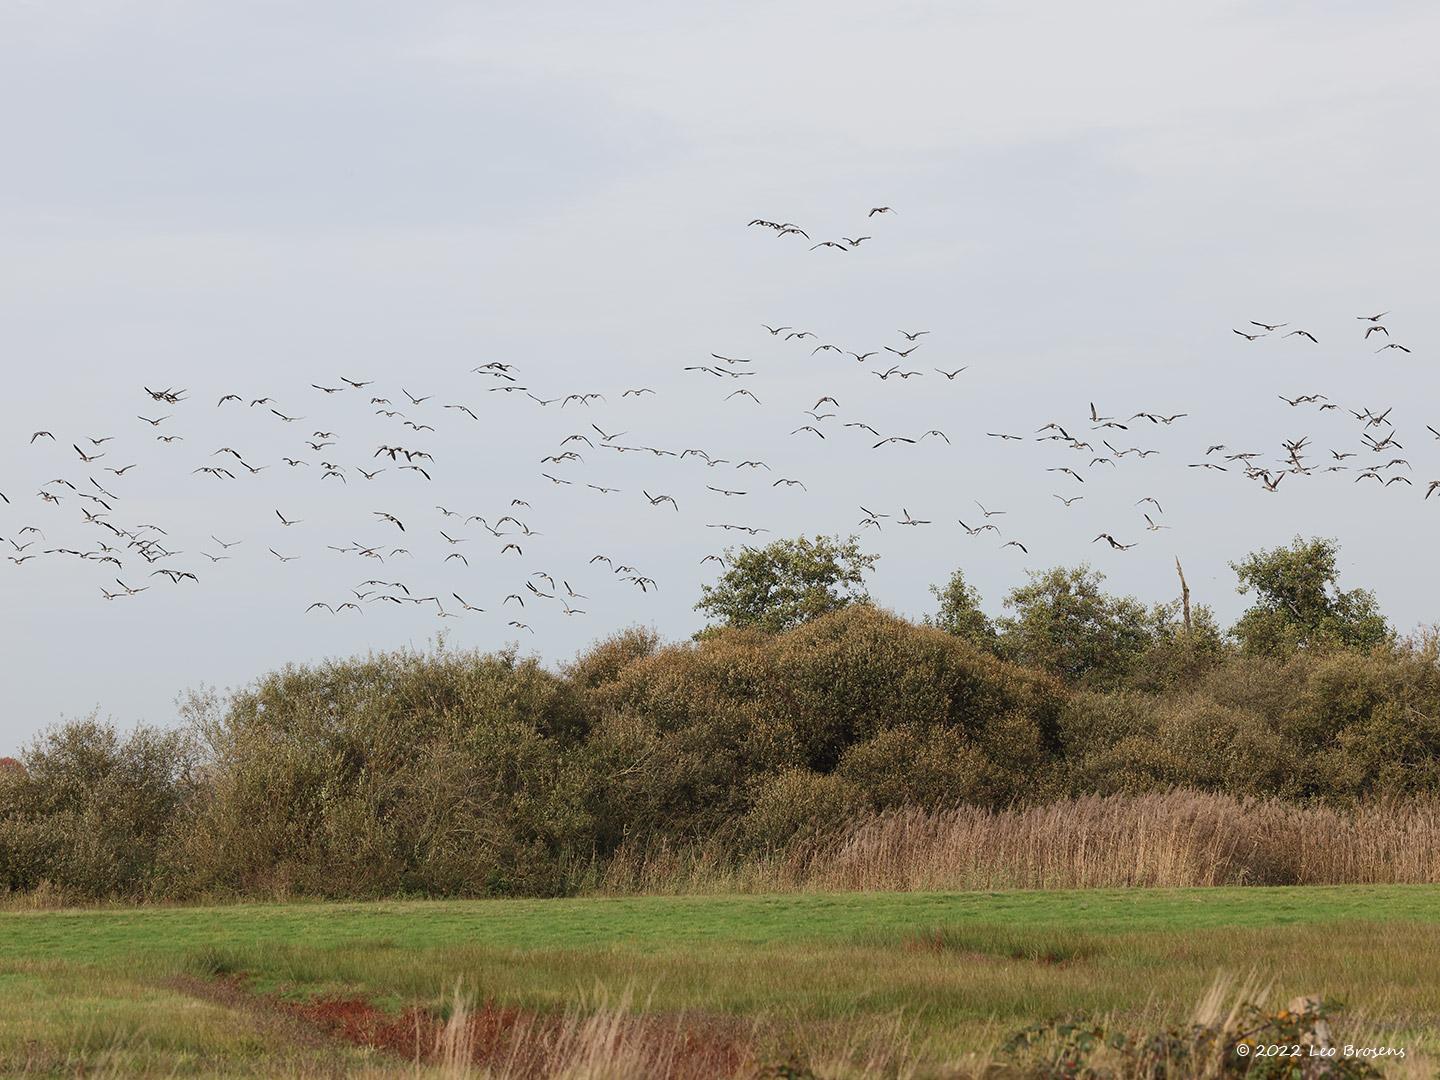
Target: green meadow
{"points": [[122, 991]]}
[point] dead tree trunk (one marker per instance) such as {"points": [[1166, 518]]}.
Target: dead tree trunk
{"points": [[1184, 595]]}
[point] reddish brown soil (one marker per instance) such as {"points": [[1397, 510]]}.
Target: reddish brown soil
{"points": [[410, 1035], [691, 1047]]}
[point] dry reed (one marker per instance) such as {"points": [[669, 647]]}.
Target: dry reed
{"points": [[1170, 840]]}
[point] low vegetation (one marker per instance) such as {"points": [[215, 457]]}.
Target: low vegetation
{"points": [[1098, 983]]}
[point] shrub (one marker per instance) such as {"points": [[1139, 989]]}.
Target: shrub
{"points": [[794, 803], [88, 808], [395, 773]]}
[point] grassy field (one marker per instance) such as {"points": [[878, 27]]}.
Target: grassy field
{"points": [[928, 978]]}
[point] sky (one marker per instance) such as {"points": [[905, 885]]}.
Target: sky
{"points": [[1087, 199]]}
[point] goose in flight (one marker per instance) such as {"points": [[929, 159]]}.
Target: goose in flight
{"points": [[977, 530]]}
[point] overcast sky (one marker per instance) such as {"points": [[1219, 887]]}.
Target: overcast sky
{"points": [[252, 197]]}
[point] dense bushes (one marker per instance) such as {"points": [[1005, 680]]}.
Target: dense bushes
{"points": [[457, 773], [449, 773], [90, 810]]}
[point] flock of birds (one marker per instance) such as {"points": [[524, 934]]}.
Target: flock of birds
{"points": [[82, 513]]}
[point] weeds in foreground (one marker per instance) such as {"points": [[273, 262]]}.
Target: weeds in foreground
{"points": [[1224, 1040]]}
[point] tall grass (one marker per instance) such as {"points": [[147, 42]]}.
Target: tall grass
{"points": [[1170, 840]]}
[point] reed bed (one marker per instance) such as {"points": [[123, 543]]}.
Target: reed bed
{"points": [[1169, 840]]}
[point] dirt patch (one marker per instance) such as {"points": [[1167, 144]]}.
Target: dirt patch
{"points": [[409, 1035], [518, 1043]]}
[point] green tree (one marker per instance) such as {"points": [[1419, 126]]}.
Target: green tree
{"points": [[1066, 624], [787, 583], [1178, 655], [960, 612], [1299, 603]]}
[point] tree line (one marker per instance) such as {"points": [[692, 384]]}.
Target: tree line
{"points": [[801, 707]]}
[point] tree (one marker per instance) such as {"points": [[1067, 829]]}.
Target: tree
{"points": [[1066, 624], [787, 583], [960, 612], [1299, 604], [1184, 645]]}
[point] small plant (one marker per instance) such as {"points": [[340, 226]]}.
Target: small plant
{"points": [[792, 1068], [212, 962], [1081, 1048]]}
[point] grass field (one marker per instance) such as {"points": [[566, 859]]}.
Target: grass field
{"points": [[926, 978]]}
